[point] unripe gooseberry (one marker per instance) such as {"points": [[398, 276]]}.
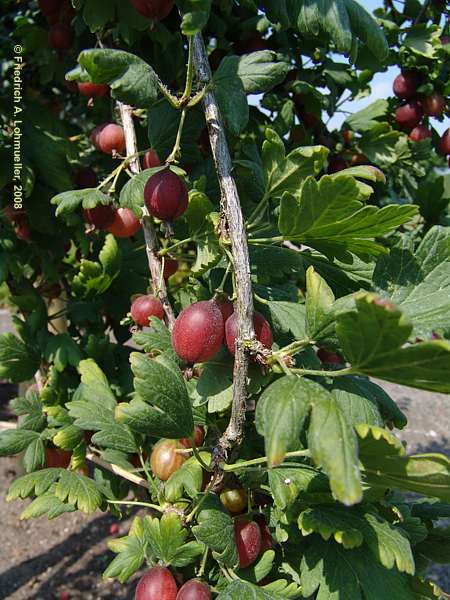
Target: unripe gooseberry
{"points": [[93, 90], [101, 217], [199, 436], [166, 195], [262, 330], [109, 138], [157, 584], [433, 105], [125, 224], [56, 457], [170, 267], [153, 9], [409, 115], [405, 85], [194, 590], [444, 145], [151, 159], [419, 133], [165, 460], [145, 307], [198, 332], [235, 501], [248, 542], [60, 36]]}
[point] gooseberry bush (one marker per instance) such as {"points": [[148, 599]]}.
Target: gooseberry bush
{"points": [[206, 280]]}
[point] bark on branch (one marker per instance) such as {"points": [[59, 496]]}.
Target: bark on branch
{"points": [[231, 209], [151, 239]]}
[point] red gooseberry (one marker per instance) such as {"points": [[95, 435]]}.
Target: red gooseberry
{"points": [[145, 307], [170, 267], [109, 138], [92, 90], [199, 436], [408, 115], [266, 536], [198, 332], [153, 9], [166, 195], [101, 216], [85, 178], [262, 330], [194, 590], [444, 145], [433, 105], [165, 460], [419, 133], [248, 542], [125, 224], [55, 457], [405, 85], [151, 159], [157, 584], [60, 36]]}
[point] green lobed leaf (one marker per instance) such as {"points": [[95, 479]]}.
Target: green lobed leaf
{"points": [[67, 202], [319, 301], [333, 446], [34, 456], [13, 441], [215, 529], [36, 483], [261, 71], [280, 414], [287, 483], [365, 119], [329, 216], [195, 15], [62, 350], [47, 504], [423, 365], [187, 479], [131, 79], [167, 541], [79, 491], [230, 94], [237, 590], [286, 173], [18, 361], [130, 550], [160, 384]]}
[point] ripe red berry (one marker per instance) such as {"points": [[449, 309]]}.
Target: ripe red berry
{"points": [[194, 590], [329, 357], [114, 529], [157, 584], [125, 224], [226, 307], [85, 178], [198, 332], [153, 9], [170, 267], [93, 90], [405, 85], [64, 595], [419, 133], [266, 537], [101, 216], [199, 436], [166, 195], [151, 159], [60, 36], [433, 105], [108, 138], [262, 330], [48, 7], [248, 542], [444, 145], [23, 231], [336, 164], [235, 501], [55, 457], [145, 307], [409, 115], [165, 460]]}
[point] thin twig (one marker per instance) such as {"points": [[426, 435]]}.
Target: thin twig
{"points": [[117, 470], [151, 239], [235, 227]]}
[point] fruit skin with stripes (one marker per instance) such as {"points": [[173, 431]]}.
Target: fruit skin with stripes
{"points": [[165, 460], [157, 584], [263, 331], [125, 224], [166, 195], [198, 332], [145, 307], [194, 589], [248, 542]]}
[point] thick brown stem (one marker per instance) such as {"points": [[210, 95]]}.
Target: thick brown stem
{"points": [[231, 209], [151, 239]]}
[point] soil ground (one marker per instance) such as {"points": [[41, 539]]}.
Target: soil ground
{"points": [[39, 559]]}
